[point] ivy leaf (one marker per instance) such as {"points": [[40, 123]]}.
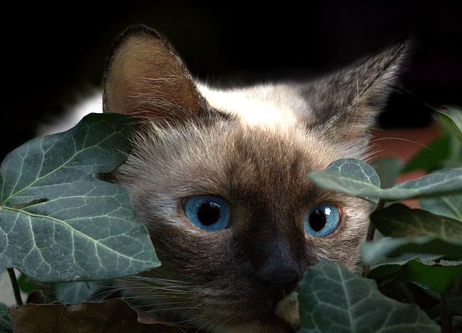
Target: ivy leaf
{"points": [[378, 252], [449, 206], [5, 325], [351, 176], [448, 181], [437, 274], [434, 276], [58, 220], [388, 169], [392, 265], [412, 231], [451, 120], [356, 169], [438, 183], [399, 220], [335, 300], [453, 307]]}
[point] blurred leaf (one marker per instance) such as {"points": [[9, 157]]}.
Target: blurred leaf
{"points": [[388, 169], [334, 300], [454, 159], [26, 284], [453, 307], [448, 181], [438, 183], [429, 275], [431, 157], [451, 120], [112, 315], [79, 292], [435, 277], [5, 325], [412, 231], [449, 206], [399, 220], [378, 252], [58, 221], [390, 267]]}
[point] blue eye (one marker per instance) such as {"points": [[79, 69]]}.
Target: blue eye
{"points": [[322, 220], [207, 212]]}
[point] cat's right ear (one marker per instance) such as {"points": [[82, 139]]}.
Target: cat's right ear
{"points": [[145, 78], [345, 104]]}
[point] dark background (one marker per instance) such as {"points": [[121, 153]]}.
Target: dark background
{"points": [[51, 55]]}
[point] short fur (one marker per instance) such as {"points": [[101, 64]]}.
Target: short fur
{"points": [[252, 146]]}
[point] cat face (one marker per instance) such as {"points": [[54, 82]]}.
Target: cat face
{"points": [[219, 177]]}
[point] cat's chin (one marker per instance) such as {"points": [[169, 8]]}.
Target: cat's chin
{"points": [[286, 319], [288, 310]]}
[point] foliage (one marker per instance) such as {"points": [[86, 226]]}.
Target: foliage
{"points": [[416, 256], [62, 223], [334, 299]]}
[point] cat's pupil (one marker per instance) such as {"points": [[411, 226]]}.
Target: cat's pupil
{"points": [[208, 213], [317, 220]]}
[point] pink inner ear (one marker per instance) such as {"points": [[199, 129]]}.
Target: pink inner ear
{"points": [[146, 79]]}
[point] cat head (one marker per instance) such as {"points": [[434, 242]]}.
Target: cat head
{"points": [[219, 177]]}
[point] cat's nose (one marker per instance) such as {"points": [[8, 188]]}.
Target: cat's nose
{"points": [[279, 282]]}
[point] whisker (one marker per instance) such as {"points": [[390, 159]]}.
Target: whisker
{"points": [[389, 138]]}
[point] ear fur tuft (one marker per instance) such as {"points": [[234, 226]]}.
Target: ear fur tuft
{"points": [[146, 78], [346, 103]]}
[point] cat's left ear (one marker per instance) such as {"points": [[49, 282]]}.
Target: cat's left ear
{"points": [[345, 104], [146, 78]]}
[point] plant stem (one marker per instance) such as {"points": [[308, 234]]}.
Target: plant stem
{"points": [[445, 318], [14, 283], [370, 237]]}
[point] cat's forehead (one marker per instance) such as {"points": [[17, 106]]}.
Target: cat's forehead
{"points": [[229, 156], [260, 105]]}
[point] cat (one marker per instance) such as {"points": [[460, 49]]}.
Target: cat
{"points": [[219, 177]]}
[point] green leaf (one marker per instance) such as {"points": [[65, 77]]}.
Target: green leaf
{"points": [[438, 183], [448, 181], [5, 325], [58, 220], [356, 169], [378, 252], [399, 220], [390, 267], [334, 300], [443, 152], [451, 120], [388, 169], [431, 157], [27, 285], [453, 307], [449, 206], [434, 276], [412, 231], [351, 176]]}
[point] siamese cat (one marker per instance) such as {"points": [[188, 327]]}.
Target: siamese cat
{"points": [[219, 178]]}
